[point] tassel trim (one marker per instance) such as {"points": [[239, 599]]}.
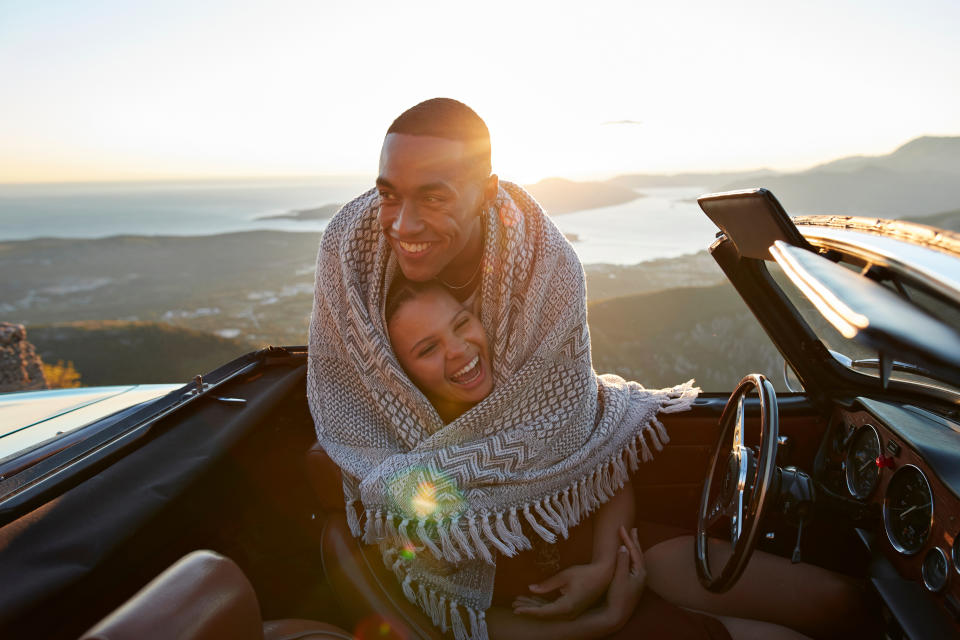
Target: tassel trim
{"points": [[485, 533]]}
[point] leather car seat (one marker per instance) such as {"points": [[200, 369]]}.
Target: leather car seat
{"points": [[365, 589], [203, 596]]}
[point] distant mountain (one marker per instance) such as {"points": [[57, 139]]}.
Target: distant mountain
{"points": [[317, 213], [559, 196], [666, 337], [936, 154], [920, 178], [707, 181], [106, 353], [949, 220]]}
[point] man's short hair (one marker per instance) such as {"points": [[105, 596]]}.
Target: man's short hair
{"points": [[450, 119]]}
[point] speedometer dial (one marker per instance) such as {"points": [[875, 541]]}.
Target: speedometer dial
{"points": [[861, 464], [908, 510]]}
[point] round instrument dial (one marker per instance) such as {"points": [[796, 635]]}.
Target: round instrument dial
{"points": [[861, 463], [908, 510], [935, 570]]}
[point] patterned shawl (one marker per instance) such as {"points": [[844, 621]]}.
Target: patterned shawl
{"points": [[550, 444]]}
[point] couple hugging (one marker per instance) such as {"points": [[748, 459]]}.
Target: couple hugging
{"points": [[450, 380]]}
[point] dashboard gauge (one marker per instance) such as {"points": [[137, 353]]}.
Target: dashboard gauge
{"points": [[908, 510], [861, 463], [935, 570], [955, 553]]}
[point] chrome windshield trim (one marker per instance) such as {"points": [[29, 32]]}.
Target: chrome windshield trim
{"points": [[931, 267]]}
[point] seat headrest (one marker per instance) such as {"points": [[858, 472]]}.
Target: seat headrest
{"points": [[203, 596]]}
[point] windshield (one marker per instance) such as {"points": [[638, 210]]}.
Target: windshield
{"points": [[860, 358]]}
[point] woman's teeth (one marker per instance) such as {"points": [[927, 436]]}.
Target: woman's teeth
{"points": [[467, 373]]}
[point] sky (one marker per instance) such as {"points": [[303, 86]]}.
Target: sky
{"points": [[127, 89]]}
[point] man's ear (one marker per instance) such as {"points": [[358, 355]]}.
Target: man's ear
{"points": [[490, 188]]}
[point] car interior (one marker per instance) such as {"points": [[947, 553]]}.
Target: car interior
{"points": [[211, 512]]}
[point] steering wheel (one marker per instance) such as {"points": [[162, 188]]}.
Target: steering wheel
{"points": [[745, 478]]}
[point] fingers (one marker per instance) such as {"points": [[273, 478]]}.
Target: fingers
{"points": [[632, 544], [559, 607], [552, 583], [527, 601]]}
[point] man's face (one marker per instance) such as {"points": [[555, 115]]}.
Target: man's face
{"points": [[430, 198]]}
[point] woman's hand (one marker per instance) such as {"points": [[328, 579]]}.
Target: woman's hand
{"points": [[580, 586], [629, 579]]}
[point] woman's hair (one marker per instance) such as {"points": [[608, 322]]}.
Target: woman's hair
{"points": [[403, 290]]}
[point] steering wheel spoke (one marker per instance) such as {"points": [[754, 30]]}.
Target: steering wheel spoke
{"points": [[746, 477]]}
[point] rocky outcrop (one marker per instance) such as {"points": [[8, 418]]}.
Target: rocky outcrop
{"points": [[20, 366]]}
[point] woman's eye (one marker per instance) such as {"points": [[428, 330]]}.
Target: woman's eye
{"points": [[461, 323], [427, 350]]}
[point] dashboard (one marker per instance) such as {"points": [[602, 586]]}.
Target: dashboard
{"points": [[901, 465]]}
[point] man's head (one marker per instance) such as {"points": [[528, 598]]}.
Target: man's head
{"points": [[434, 183]]}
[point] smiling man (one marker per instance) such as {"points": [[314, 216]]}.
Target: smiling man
{"points": [[435, 182], [539, 434]]}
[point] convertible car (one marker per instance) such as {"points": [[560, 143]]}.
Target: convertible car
{"points": [[856, 469]]}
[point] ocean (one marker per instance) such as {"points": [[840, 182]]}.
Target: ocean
{"points": [[665, 223]]}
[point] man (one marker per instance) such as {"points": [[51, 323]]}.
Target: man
{"points": [[434, 183], [445, 500]]}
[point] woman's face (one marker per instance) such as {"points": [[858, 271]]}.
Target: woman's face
{"points": [[443, 349]]}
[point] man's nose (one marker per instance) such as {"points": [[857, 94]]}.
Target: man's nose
{"points": [[408, 222]]}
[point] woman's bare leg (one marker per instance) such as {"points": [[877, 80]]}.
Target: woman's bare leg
{"points": [[805, 597]]}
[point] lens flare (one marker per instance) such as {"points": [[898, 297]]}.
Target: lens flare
{"points": [[377, 627], [424, 500]]}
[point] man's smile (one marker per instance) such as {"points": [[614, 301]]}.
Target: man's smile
{"points": [[413, 249]]}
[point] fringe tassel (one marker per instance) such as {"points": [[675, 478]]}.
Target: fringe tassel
{"points": [[517, 530], [503, 546], [518, 543], [352, 520], [645, 454], [482, 631], [398, 568], [456, 533], [434, 608], [378, 525], [575, 499], [662, 432], [405, 540], [632, 455], [423, 599], [408, 590], [425, 539], [391, 528], [551, 503], [450, 552], [536, 526], [474, 623], [441, 607], [478, 544], [368, 527], [456, 622]]}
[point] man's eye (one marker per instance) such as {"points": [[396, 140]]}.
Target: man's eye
{"points": [[387, 197], [432, 199]]}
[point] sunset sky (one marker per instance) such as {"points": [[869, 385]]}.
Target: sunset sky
{"points": [[121, 89]]}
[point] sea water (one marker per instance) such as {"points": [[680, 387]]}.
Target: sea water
{"points": [[663, 223]]}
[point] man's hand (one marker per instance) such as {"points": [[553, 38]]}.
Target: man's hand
{"points": [[580, 586]]}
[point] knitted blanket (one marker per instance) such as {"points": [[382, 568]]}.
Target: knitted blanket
{"points": [[551, 443]]}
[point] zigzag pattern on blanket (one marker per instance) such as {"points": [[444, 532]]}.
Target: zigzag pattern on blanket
{"points": [[549, 445]]}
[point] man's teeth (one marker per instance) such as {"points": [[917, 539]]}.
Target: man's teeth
{"points": [[469, 367], [414, 247]]}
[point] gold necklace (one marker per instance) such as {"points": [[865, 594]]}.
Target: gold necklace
{"points": [[456, 287]]}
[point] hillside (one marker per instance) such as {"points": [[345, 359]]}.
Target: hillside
{"points": [[706, 181], [559, 196], [666, 337], [108, 353], [949, 220], [920, 178]]}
